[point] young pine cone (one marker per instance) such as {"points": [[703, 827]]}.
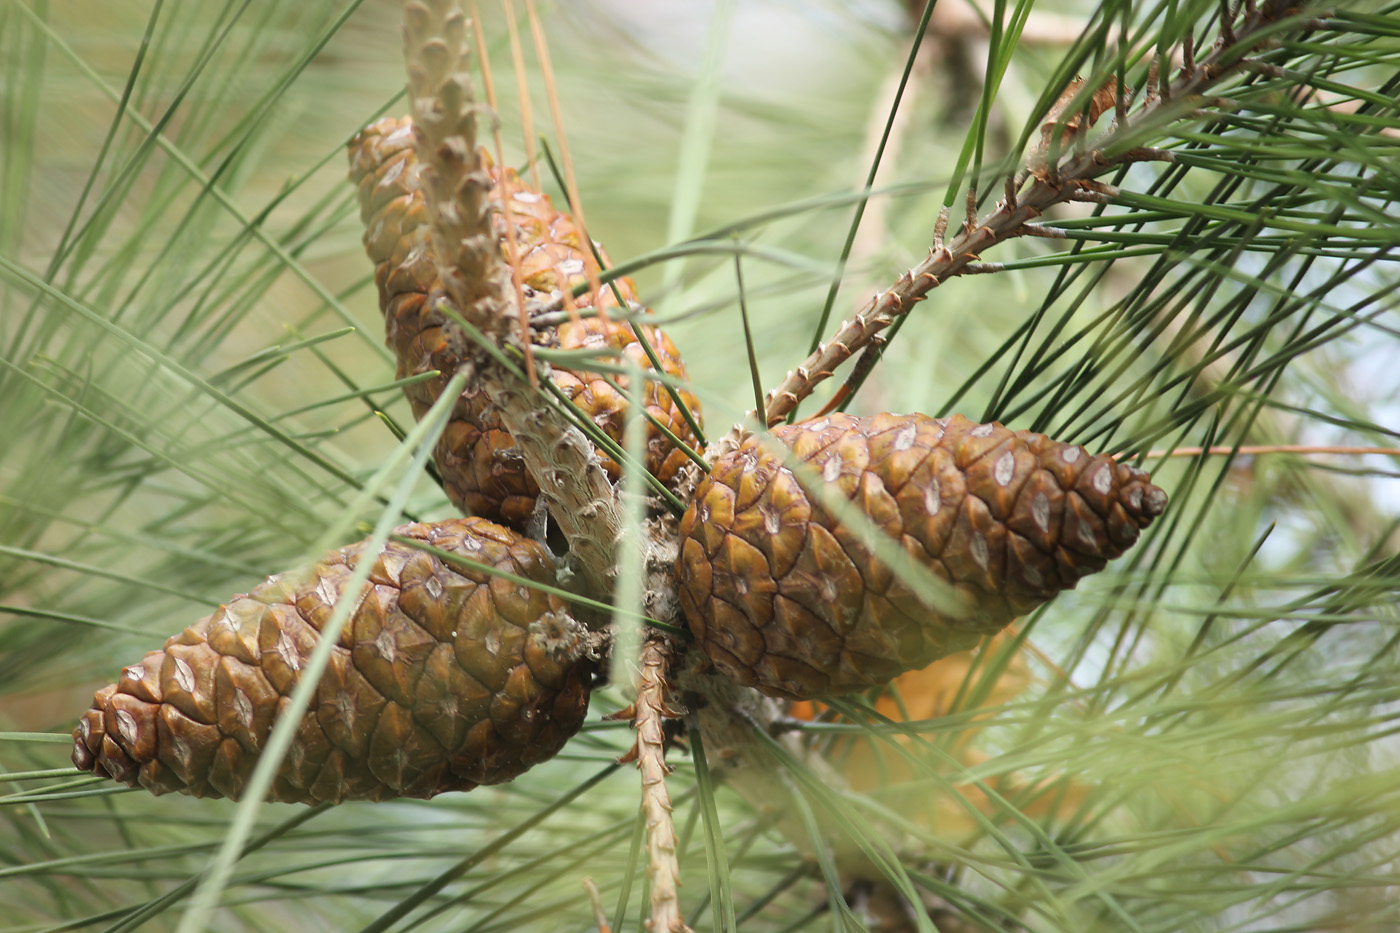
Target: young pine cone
{"points": [[783, 597], [444, 678], [481, 469]]}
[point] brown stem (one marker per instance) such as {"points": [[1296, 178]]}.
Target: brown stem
{"points": [[1049, 185], [595, 900], [565, 465], [1257, 449], [456, 185], [649, 714]]}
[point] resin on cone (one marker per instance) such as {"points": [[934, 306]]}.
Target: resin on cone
{"points": [[443, 678], [783, 597], [482, 471]]}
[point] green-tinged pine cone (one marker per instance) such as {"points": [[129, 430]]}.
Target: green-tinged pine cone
{"points": [[481, 468], [784, 598], [444, 678]]}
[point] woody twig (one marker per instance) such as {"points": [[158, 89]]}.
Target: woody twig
{"points": [[1049, 178], [648, 714], [456, 185]]}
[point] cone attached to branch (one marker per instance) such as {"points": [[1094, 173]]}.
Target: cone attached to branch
{"points": [[476, 456], [784, 597], [444, 678]]}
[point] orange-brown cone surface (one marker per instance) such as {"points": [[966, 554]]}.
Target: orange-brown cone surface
{"points": [[444, 678], [481, 469], [895, 767], [783, 597]]}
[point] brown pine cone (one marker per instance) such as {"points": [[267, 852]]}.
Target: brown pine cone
{"points": [[444, 678], [476, 456], [784, 598]]}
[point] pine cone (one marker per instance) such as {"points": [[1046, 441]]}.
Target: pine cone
{"points": [[476, 456], [784, 598], [444, 678]]}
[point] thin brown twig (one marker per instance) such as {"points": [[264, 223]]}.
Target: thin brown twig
{"points": [[522, 81], [649, 714], [1069, 178], [596, 900], [1258, 449]]}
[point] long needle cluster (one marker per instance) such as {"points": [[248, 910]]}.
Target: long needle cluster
{"points": [[1040, 186], [780, 594]]}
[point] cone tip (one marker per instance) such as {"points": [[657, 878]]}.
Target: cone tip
{"points": [[1154, 501]]}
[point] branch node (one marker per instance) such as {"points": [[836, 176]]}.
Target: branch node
{"points": [[1146, 154], [940, 228], [1033, 229], [1263, 68]]}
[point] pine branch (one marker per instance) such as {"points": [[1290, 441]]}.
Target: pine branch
{"points": [[571, 479], [1070, 177], [456, 185], [1252, 747]]}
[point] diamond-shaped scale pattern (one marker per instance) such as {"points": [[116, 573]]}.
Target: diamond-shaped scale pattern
{"points": [[444, 678], [481, 468], [784, 597]]}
